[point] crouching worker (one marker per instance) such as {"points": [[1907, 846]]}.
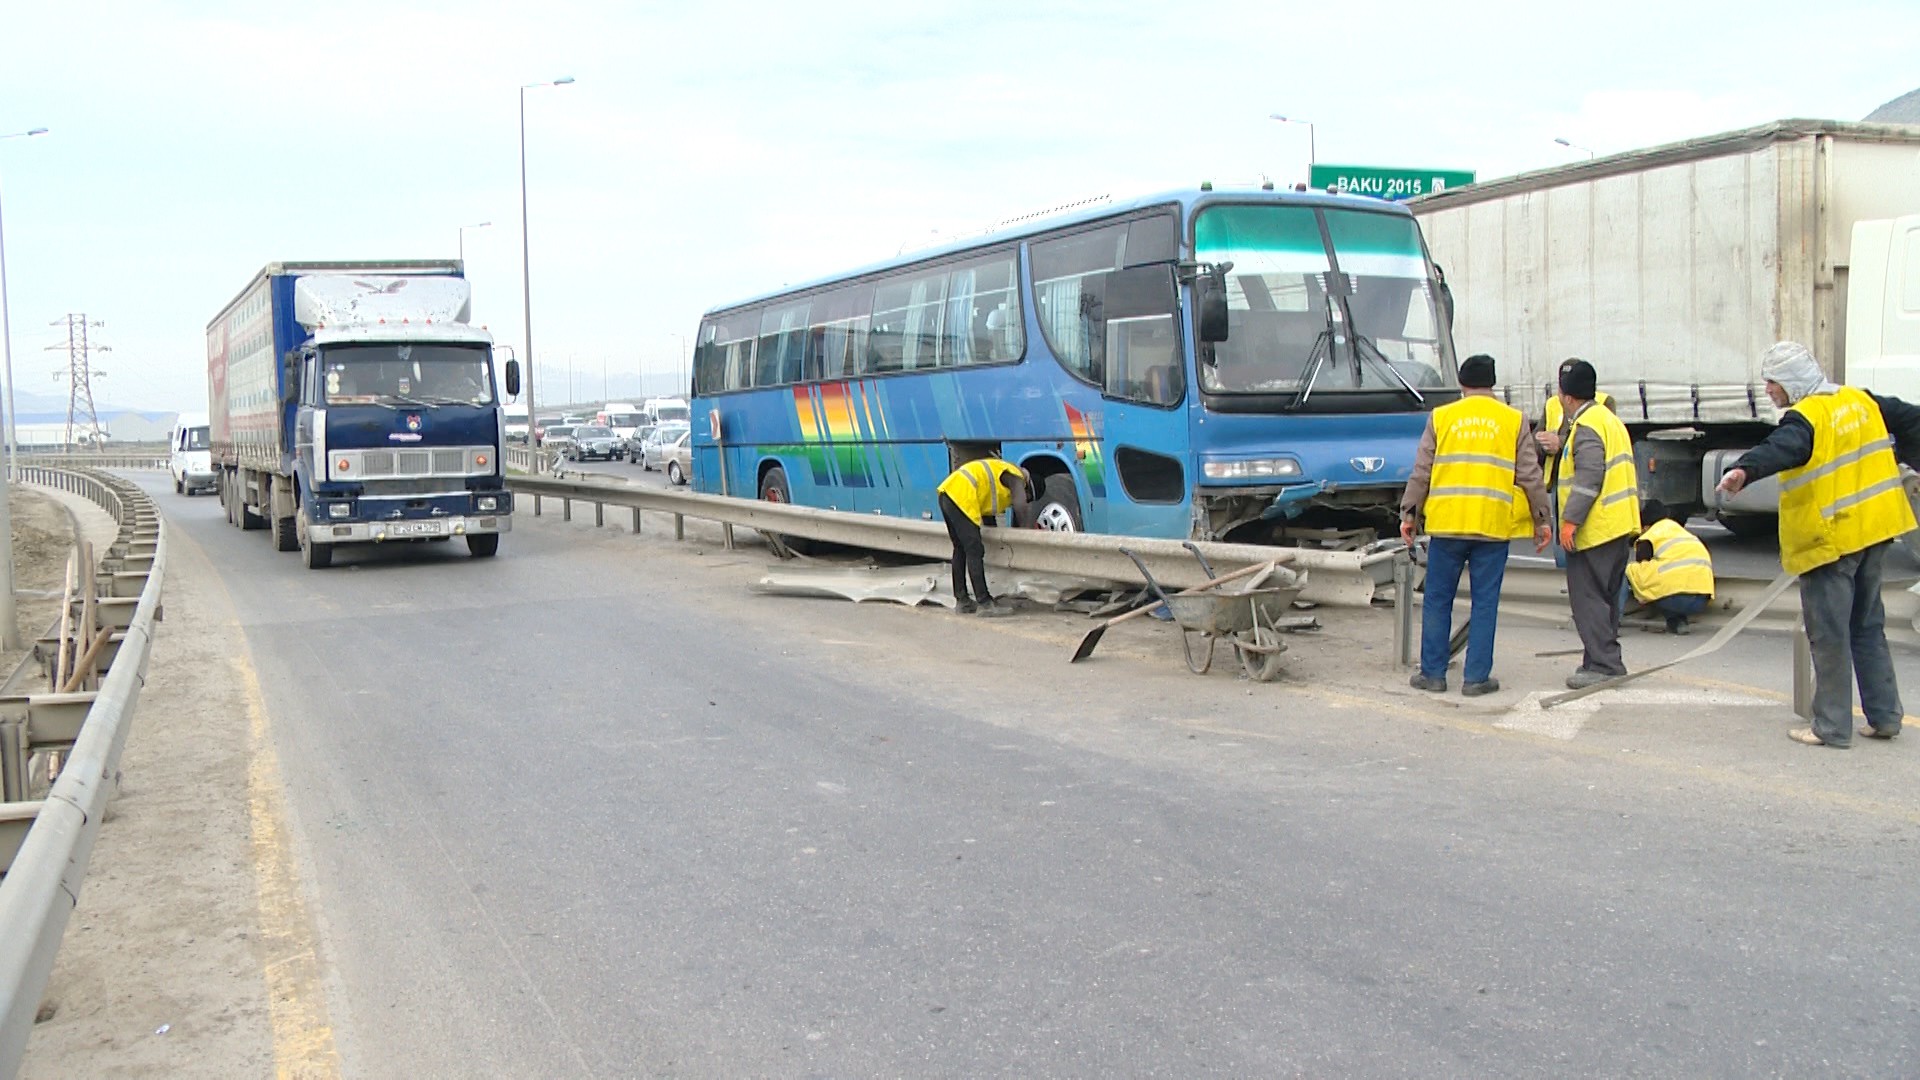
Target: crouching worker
{"points": [[1671, 571], [1476, 480], [970, 497]]}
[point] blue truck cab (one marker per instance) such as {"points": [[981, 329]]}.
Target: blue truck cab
{"points": [[353, 403]]}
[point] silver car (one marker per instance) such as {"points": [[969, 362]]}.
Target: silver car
{"points": [[653, 452], [679, 457]]}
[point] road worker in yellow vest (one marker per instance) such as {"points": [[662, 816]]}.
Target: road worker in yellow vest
{"points": [[1837, 451], [1551, 435], [970, 498], [1671, 572], [1476, 483], [1599, 496]]}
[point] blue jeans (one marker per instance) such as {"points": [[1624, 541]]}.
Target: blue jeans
{"points": [[1485, 562], [1679, 605]]}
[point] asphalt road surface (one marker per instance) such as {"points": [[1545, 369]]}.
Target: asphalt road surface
{"points": [[592, 808]]}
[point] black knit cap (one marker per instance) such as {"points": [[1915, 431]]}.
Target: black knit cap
{"points": [[1476, 371], [1577, 379]]}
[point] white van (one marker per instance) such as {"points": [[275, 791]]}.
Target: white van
{"points": [[190, 454]]}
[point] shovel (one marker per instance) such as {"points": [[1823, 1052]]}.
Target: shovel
{"points": [[1088, 643]]}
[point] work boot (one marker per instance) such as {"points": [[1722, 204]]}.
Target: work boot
{"points": [[994, 609], [1677, 624], [1421, 682], [965, 607], [1583, 678], [1475, 689]]}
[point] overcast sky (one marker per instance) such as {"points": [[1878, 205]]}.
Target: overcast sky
{"points": [[712, 150]]}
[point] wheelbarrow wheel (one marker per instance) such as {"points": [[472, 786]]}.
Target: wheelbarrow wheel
{"points": [[1259, 650], [1205, 662]]}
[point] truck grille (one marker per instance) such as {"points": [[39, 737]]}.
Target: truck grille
{"points": [[424, 463]]}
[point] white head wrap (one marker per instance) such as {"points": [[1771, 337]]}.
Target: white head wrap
{"points": [[1792, 365]]}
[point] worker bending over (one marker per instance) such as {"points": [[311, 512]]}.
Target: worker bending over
{"points": [[1842, 502], [1476, 481], [1671, 570], [970, 497]]}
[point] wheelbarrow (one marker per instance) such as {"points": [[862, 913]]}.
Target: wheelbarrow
{"points": [[1248, 619]]}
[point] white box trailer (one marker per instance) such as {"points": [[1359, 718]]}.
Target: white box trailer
{"points": [[1673, 268]]}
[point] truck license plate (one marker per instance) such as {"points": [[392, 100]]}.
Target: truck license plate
{"points": [[416, 528]]}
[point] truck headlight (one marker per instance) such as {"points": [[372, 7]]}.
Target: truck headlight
{"points": [[1250, 469], [339, 510], [486, 503]]}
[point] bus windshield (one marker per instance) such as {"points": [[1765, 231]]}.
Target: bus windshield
{"points": [[1321, 300], [405, 374]]}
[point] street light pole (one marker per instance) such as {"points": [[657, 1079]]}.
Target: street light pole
{"points": [[685, 386], [9, 618], [526, 278], [1575, 146], [463, 239], [1313, 156]]}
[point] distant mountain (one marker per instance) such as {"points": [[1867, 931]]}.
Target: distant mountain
{"points": [[1904, 109]]}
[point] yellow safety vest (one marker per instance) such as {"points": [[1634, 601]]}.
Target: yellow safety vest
{"points": [[977, 489], [1848, 496], [1471, 492], [1557, 416], [1616, 510], [1680, 564]]}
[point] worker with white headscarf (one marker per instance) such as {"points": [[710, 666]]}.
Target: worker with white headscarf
{"points": [[1837, 451]]}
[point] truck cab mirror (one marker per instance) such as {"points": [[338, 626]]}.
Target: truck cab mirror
{"points": [[513, 378], [290, 376], [1210, 298]]}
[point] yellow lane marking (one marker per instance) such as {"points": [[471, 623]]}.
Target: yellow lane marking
{"points": [[302, 1034]]}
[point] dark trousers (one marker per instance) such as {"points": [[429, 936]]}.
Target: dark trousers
{"points": [[1485, 562], [1594, 578], [969, 553], [1847, 628]]}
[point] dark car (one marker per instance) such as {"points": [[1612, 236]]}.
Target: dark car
{"points": [[593, 441]]}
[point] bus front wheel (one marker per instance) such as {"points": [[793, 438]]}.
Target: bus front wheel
{"points": [[1058, 508], [774, 489]]}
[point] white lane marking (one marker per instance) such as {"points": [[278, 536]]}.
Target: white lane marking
{"points": [[1565, 721]]}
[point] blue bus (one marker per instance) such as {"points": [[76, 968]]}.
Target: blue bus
{"points": [[1251, 366]]}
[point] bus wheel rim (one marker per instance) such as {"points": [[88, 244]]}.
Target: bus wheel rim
{"points": [[1055, 518]]}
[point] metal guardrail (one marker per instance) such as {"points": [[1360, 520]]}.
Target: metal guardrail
{"points": [[42, 884], [1344, 578], [91, 460]]}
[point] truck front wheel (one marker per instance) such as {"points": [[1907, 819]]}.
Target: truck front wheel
{"points": [[315, 556], [483, 545]]}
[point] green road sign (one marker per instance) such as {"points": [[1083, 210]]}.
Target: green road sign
{"points": [[1384, 183]]}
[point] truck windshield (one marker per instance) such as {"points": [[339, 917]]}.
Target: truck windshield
{"points": [[668, 414], [406, 374], [196, 439], [1293, 287]]}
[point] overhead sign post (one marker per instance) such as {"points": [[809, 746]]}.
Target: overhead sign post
{"points": [[1386, 183]]}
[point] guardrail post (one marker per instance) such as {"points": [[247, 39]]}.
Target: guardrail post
{"points": [[1802, 674], [1403, 610], [636, 521], [13, 759], [599, 514], [566, 508], [536, 504], [679, 526]]}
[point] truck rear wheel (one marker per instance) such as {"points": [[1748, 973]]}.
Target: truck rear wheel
{"points": [[284, 536], [483, 545]]}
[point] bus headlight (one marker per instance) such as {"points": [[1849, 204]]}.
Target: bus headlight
{"points": [[1250, 469]]}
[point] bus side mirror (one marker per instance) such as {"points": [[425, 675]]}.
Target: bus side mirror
{"points": [[513, 378], [1210, 296]]}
